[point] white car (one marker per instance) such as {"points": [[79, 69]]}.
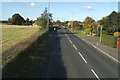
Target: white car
{"points": [[64, 27]]}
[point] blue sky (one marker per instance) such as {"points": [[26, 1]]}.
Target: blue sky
{"points": [[60, 10]]}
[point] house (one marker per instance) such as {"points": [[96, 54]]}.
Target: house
{"points": [[36, 22], [75, 23]]}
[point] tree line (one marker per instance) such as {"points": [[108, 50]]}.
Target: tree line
{"points": [[17, 19], [110, 24]]}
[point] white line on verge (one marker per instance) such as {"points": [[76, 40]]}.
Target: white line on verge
{"points": [[74, 47], [106, 54], [95, 74], [82, 57]]}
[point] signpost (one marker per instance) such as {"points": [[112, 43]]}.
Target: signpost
{"points": [[101, 34], [118, 43]]}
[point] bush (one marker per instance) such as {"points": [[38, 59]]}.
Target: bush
{"points": [[109, 40], [77, 28], [117, 34]]}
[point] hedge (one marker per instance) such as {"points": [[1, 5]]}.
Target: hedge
{"points": [[109, 40]]}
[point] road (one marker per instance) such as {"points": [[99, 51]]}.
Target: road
{"points": [[71, 57]]}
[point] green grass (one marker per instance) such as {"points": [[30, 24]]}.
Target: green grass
{"points": [[25, 63], [82, 34], [12, 35], [79, 33]]}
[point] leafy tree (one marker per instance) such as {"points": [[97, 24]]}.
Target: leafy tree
{"points": [[89, 23], [27, 22], [58, 22], [42, 21], [17, 19], [111, 22], [9, 21]]}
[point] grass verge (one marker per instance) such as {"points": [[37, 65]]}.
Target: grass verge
{"points": [[80, 33]]}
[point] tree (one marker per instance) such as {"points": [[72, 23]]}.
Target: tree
{"points": [[27, 22], [58, 22], [17, 19], [9, 21], [88, 23], [110, 23], [42, 20]]}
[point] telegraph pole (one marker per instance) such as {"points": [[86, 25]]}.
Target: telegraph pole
{"points": [[48, 14], [72, 20], [101, 33]]}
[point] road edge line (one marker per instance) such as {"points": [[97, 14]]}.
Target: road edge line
{"points": [[105, 53], [99, 49]]}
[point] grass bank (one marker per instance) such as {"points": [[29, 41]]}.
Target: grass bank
{"points": [[24, 64], [12, 34]]}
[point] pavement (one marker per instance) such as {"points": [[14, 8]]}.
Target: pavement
{"points": [[68, 56]]}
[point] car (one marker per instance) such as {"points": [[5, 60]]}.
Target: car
{"points": [[64, 27]]}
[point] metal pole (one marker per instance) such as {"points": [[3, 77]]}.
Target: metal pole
{"points": [[101, 34], [72, 20], [48, 13], [97, 31]]}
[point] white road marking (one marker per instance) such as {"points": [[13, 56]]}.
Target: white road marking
{"points": [[95, 74], [82, 57], [101, 50], [66, 34], [106, 54], [68, 38], [90, 43], [74, 47], [70, 41]]}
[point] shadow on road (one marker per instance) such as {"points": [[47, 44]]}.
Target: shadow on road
{"points": [[51, 64]]}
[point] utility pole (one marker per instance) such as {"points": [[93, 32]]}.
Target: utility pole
{"points": [[72, 20], [48, 14], [101, 33], [98, 31]]}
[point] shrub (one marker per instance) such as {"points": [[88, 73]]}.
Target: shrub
{"points": [[117, 34], [109, 40]]}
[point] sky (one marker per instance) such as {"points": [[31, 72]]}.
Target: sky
{"points": [[60, 10], [60, 0]]}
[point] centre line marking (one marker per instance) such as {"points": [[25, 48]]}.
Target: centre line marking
{"points": [[68, 38], [74, 47], [70, 41], [66, 34], [95, 74], [82, 57]]}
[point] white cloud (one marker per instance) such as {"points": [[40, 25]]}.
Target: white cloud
{"points": [[87, 8], [34, 5]]}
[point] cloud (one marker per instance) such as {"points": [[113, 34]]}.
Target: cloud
{"points": [[34, 5], [87, 8]]}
